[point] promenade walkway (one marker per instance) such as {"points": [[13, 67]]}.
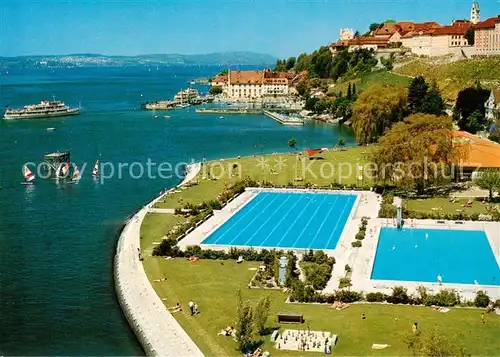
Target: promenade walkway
{"points": [[157, 330]]}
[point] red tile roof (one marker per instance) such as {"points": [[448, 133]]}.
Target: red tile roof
{"points": [[458, 28], [488, 24], [481, 152], [386, 29]]}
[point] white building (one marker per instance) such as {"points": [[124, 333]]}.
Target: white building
{"points": [[475, 13], [346, 34], [254, 84], [487, 37], [492, 106]]}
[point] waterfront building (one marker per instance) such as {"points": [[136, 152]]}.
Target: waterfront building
{"points": [[492, 106], [487, 37], [254, 84]]}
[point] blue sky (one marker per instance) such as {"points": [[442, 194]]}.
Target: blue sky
{"points": [[280, 28]]}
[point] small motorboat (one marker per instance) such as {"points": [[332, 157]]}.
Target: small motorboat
{"points": [[221, 117], [166, 116], [51, 129]]}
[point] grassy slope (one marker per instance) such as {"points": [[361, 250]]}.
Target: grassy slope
{"points": [[213, 287], [367, 79], [452, 77], [209, 189]]}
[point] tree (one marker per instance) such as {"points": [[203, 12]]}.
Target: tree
{"points": [[214, 90], [416, 152], [243, 324], [468, 101], [261, 313], [349, 91], [433, 102], [387, 62], [470, 36], [341, 142], [481, 299], [290, 63], [417, 90], [489, 179], [354, 90], [374, 26], [303, 88], [311, 103], [433, 344], [224, 72], [475, 122], [292, 143], [377, 108]]}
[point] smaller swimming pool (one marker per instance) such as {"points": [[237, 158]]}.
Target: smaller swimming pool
{"points": [[412, 254]]}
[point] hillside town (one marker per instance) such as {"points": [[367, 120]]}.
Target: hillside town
{"points": [[464, 38]]}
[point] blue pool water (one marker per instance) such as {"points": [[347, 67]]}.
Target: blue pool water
{"points": [[287, 220], [422, 254]]}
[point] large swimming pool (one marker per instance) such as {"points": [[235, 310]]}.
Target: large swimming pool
{"points": [[287, 220], [459, 256]]}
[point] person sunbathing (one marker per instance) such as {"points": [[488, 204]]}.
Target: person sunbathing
{"points": [[228, 331], [175, 308]]}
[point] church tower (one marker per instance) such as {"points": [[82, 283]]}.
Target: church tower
{"points": [[474, 12]]}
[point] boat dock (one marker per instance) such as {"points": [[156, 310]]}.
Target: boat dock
{"points": [[171, 104], [284, 119], [229, 111]]}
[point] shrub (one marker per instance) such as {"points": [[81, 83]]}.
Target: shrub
{"points": [[348, 296], [497, 303], [347, 268], [360, 235], [399, 296], [376, 297], [356, 244], [481, 300], [344, 283], [443, 298]]}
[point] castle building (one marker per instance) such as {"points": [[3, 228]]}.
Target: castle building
{"points": [[487, 37]]}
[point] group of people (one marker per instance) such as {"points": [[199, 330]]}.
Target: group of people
{"points": [[192, 306]]}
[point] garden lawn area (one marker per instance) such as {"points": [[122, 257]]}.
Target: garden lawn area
{"points": [[154, 227], [366, 79], [213, 285], [427, 205], [296, 171]]}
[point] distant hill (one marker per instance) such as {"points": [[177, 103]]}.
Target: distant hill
{"points": [[98, 60], [452, 77]]}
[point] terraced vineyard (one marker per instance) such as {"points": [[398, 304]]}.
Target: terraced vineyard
{"points": [[453, 77]]}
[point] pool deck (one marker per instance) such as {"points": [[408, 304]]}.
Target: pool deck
{"points": [[363, 259]]}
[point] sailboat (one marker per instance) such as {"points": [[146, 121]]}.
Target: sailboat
{"points": [[28, 176], [63, 170], [76, 175], [95, 170]]}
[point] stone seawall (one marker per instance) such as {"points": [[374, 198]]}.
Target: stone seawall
{"points": [[155, 327]]}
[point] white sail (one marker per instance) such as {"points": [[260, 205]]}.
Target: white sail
{"points": [[95, 171], [28, 175], [76, 174]]}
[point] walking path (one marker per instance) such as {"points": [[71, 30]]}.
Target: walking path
{"points": [[157, 330]]}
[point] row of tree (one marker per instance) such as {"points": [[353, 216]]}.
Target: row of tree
{"points": [[321, 63]]}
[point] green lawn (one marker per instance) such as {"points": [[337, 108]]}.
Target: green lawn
{"points": [[213, 286], [367, 79], [154, 227], [429, 205], [336, 166]]}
